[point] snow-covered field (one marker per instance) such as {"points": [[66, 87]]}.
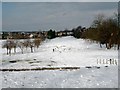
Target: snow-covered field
{"points": [[62, 52]]}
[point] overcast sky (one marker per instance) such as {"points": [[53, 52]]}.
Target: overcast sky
{"points": [[60, 0], [52, 15], [0, 16]]}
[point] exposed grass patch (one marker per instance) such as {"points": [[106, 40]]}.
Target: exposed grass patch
{"points": [[14, 61], [42, 68]]}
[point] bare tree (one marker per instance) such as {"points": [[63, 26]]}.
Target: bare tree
{"points": [[37, 42], [26, 43], [31, 45], [9, 45], [98, 21], [20, 44]]}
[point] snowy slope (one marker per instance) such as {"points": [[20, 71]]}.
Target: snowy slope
{"points": [[62, 52], [68, 51]]}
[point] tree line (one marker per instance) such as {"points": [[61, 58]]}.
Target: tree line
{"points": [[23, 44], [104, 30]]}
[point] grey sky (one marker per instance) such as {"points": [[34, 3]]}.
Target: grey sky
{"points": [[0, 16], [60, 0], [54, 15]]}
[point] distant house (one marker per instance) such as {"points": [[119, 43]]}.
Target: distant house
{"points": [[64, 33], [9, 36], [31, 35], [69, 33], [45, 33], [59, 34]]}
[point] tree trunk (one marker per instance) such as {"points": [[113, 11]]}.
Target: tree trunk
{"points": [[31, 49], [100, 45], [118, 47]]}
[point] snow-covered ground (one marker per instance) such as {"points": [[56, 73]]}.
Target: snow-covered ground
{"points": [[62, 52]]}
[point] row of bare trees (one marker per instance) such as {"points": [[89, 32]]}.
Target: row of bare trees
{"points": [[21, 44], [105, 30]]}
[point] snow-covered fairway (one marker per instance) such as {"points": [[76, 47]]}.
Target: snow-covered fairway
{"points": [[62, 52]]}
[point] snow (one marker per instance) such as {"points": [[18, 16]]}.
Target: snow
{"points": [[83, 78], [62, 52]]}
